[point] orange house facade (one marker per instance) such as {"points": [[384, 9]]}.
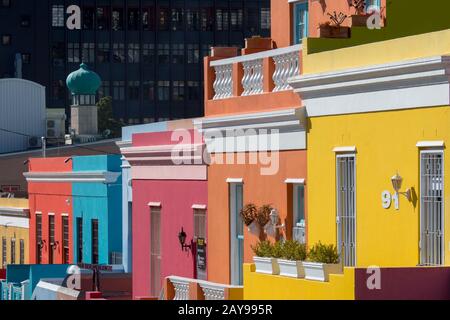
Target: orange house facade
{"points": [[255, 132]]}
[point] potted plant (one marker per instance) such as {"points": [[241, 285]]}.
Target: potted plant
{"points": [[266, 255], [322, 260], [291, 262], [359, 19], [263, 216], [249, 214], [334, 28]]}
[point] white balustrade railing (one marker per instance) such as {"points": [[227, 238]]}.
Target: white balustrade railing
{"points": [[213, 292], [223, 85], [287, 65], [181, 287], [253, 79]]}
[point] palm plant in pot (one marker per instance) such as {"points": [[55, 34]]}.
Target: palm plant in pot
{"points": [[266, 255], [323, 260], [249, 214], [359, 19], [334, 28], [292, 257]]}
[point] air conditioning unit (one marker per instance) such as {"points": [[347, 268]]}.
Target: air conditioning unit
{"points": [[34, 142], [53, 129]]}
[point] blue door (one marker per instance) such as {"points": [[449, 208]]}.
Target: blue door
{"points": [[300, 21]]}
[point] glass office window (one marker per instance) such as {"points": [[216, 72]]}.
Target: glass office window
{"points": [[163, 90], [117, 19], [58, 16]]}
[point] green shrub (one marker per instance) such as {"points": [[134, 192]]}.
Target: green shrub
{"points": [[263, 249], [277, 250], [294, 250], [323, 253]]}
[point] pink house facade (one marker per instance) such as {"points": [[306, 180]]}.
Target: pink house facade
{"points": [[169, 182]]}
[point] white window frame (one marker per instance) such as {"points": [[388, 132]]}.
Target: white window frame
{"points": [[339, 248], [443, 246], [234, 250]]}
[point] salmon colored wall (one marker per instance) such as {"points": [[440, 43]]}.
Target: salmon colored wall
{"points": [[256, 103], [259, 190], [50, 198], [281, 23], [319, 9]]}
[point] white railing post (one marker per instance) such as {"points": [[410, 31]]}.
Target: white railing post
{"points": [[212, 292], [181, 289], [253, 80], [223, 85], [286, 65]]}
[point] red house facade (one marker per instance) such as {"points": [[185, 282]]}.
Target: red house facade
{"points": [[169, 181], [50, 211]]}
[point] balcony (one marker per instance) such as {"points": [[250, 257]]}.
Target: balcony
{"points": [[252, 82], [179, 288]]}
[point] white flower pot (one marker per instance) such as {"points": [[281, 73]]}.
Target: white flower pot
{"points": [[320, 271], [253, 228], [266, 265], [289, 268]]}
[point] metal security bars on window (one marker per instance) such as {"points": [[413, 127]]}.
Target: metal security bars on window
{"points": [[431, 208]]}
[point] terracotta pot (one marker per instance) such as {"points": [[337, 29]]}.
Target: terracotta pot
{"points": [[359, 20], [334, 32]]}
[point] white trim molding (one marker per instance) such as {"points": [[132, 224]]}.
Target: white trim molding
{"points": [[256, 56], [235, 180], [294, 181], [349, 149], [199, 206], [154, 204], [430, 144], [417, 83], [164, 154], [14, 221], [15, 212], [277, 130], [105, 177]]}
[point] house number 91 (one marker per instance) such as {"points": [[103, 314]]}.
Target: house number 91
{"points": [[387, 199]]}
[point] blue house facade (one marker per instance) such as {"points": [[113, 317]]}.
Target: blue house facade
{"points": [[97, 209]]}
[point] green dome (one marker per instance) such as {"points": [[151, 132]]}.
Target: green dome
{"points": [[83, 81]]}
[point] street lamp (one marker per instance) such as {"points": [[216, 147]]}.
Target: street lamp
{"points": [[397, 185]]}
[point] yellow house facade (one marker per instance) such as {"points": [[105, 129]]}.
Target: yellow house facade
{"points": [[379, 117], [14, 229]]}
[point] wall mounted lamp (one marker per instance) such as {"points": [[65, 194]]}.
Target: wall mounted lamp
{"points": [[182, 238], [397, 185], [274, 218]]}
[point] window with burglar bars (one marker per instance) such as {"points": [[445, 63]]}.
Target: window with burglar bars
{"points": [[155, 257], [200, 224], [79, 240], [22, 251], [51, 232], [13, 251], [346, 209], [431, 208], [3, 252], [94, 241], [65, 237], [39, 239]]}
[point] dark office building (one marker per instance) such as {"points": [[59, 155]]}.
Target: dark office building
{"points": [[149, 53]]}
